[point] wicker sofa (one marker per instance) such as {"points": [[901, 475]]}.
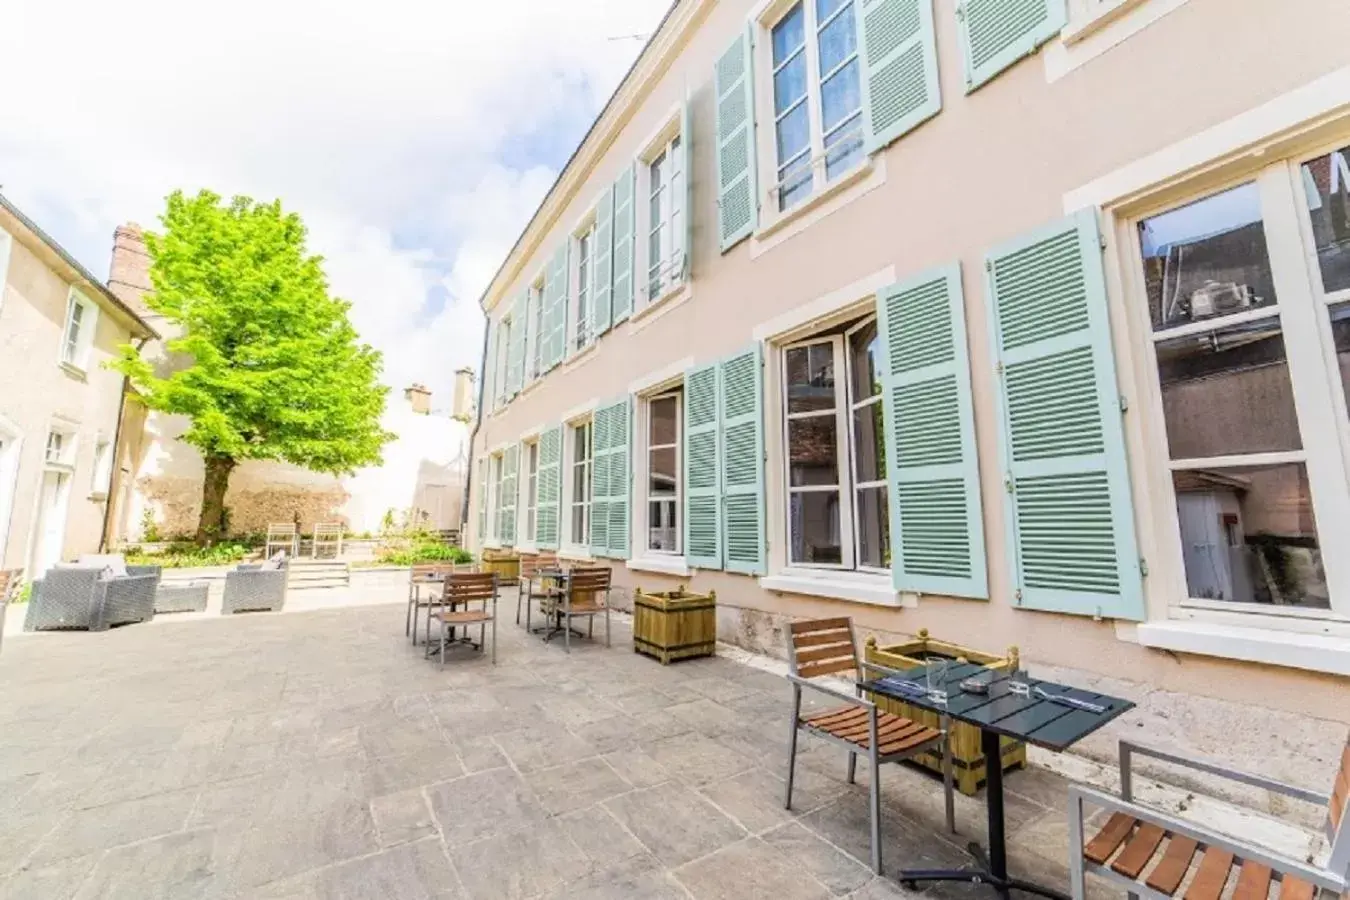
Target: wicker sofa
{"points": [[255, 587], [90, 597]]}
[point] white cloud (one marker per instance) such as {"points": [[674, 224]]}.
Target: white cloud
{"points": [[394, 128]]}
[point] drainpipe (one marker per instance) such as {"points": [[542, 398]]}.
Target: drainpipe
{"points": [[473, 435], [117, 447]]}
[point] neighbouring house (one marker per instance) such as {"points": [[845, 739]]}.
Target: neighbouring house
{"points": [[60, 409], [422, 476], [1024, 323]]}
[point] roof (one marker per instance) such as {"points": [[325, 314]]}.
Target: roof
{"points": [[106, 297], [571, 160]]}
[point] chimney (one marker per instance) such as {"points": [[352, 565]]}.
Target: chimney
{"points": [[419, 397], [463, 401], [129, 279]]}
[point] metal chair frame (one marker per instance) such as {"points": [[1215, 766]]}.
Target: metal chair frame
{"points": [[590, 581], [327, 535], [415, 601], [465, 588], [530, 565], [283, 536]]}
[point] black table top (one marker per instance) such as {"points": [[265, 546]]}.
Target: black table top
{"points": [[1034, 719]]}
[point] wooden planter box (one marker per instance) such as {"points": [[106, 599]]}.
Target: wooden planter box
{"points": [[670, 625], [967, 758], [506, 563]]}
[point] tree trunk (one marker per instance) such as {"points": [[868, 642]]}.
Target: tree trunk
{"points": [[211, 526]]}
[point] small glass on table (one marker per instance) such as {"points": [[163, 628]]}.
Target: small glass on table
{"points": [[935, 677]]}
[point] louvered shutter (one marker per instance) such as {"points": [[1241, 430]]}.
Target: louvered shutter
{"points": [[602, 288], [702, 469], [742, 417], [937, 529], [555, 307], [484, 490], [515, 366], [1069, 511], [686, 236], [532, 300], [737, 201], [899, 67], [994, 34], [620, 478], [508, 512], [600, 481], [490, 365], [550, 471], [621, 297]]}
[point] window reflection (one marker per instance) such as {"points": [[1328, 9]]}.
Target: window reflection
{"points": [[1326, 182], [815, 528]]}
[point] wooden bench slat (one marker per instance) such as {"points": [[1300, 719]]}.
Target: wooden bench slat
{"points": [[1176, 862], [811, 670], [861, 732], [1212, 875], [1113, 833], [830, 715], [819, 625], [909, 741], [1292, 888], [1140, 849], [826, 637], [462, 618], [835, 651], [1253, 881]]}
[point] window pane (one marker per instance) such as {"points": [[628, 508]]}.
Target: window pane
{"points": [[789, 84], [1248, 535], [826, 8], [663, 527], [844, 147], [869, 443], [795, 182], [1207, 259], [664, 414], [813, 456], [789, 34], [580, 535], [838, 40], [840, 96], [864, 349], [874, 528], [794, 133], [662, 477], [810, 378], [815, 528], [1340, 333], [1326, 181], [1228, 391]]}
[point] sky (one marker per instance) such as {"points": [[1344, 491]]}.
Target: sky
{"points": [[415, 138]]}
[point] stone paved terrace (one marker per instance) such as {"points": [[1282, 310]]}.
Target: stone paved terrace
{"points": [[317, 755]]}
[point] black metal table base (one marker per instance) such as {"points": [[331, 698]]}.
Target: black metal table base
{"points": [[979, 874]]}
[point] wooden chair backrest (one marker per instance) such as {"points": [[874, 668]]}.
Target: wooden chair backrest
{"points": [[461, 587], [822, 647], [586, 582], [10, 579], [428, 569], [531, 563], [1338, 816], [281, 530]]}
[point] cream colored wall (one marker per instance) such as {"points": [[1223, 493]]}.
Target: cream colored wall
{"points": [[989, 167], [35, 391]]}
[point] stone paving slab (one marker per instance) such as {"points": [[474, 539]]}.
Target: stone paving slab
{"points": [[319, 755]]}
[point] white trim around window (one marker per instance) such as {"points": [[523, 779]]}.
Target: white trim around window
{"points": [[660, 199], [1095, 26], [529, 493], [662, 537], [576, 487], [100, 484], [78, 332], [581, 281]]}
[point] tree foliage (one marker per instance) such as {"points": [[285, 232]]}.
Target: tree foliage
{"points": [[266, 363]]}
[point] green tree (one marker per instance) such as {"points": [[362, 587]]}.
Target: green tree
{"points": [[269, 366]]}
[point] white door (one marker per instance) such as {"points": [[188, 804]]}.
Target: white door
{"points": [[51, 526]]}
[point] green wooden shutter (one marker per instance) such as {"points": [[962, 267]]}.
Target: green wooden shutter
{"points": [[937, 529], [686, 237], [620, 478], [508, 512], [600, 430], [515, 365], [1069, 513], [702, 469], [550, 471], [531, 339], [555, 307], [484, 491], [742, 417], [621, 297], [995, 34], [737, 200], [602, 288], [899, 68]]}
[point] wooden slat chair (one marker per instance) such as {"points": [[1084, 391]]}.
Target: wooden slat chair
{"points": [[829, 647], [463, 589], [582, 599], [282, 536], [532, 587], [328, 537], [417, 601], [1204, 860]]}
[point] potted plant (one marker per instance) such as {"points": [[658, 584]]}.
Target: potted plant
{"points": [[677, 624]]}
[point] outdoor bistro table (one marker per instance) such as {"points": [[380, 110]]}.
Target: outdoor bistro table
{"points": [[550, 629], [1036, 718]]}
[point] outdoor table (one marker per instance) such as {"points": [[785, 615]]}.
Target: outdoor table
{"points": [[561, 576], [1033, 718]]}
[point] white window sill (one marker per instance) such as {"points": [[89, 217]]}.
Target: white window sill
{"points": [[774, 229], [580, 357], [492, 545], [1316, 653], [576, 554], [875, 590], [74, 371], [1080, 26], [674, 296], [98, 496], [527, 548], [666, 565]]}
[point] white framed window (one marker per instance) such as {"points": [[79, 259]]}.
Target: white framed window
{"points": [[495, 505], [535, 310], [666, 227], [1241, 306], [664, 504], [838, 512], [1088, 15], [502, 362], [531, 491], [60, 449], [816, 92], [579, 461], [101, 481], [585, 279], [77, 338]]}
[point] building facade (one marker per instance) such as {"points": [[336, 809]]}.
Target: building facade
{"points": [[60, 407], [1024, 323]]}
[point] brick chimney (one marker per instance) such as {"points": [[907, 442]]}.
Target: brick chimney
{"points": [[419, 396], [463, 400], [129, 279]]}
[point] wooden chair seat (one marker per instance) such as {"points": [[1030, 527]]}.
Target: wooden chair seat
{"points": [[1131, 844], [462, 617], [895, 734]]}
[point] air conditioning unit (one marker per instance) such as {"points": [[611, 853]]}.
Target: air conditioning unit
{"points": [[1216, 299]]}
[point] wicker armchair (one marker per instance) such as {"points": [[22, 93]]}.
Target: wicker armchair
{"points": [[88, 597], [254, 587]]}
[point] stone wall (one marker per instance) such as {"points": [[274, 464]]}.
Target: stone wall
{"points": [[176, 505]]}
